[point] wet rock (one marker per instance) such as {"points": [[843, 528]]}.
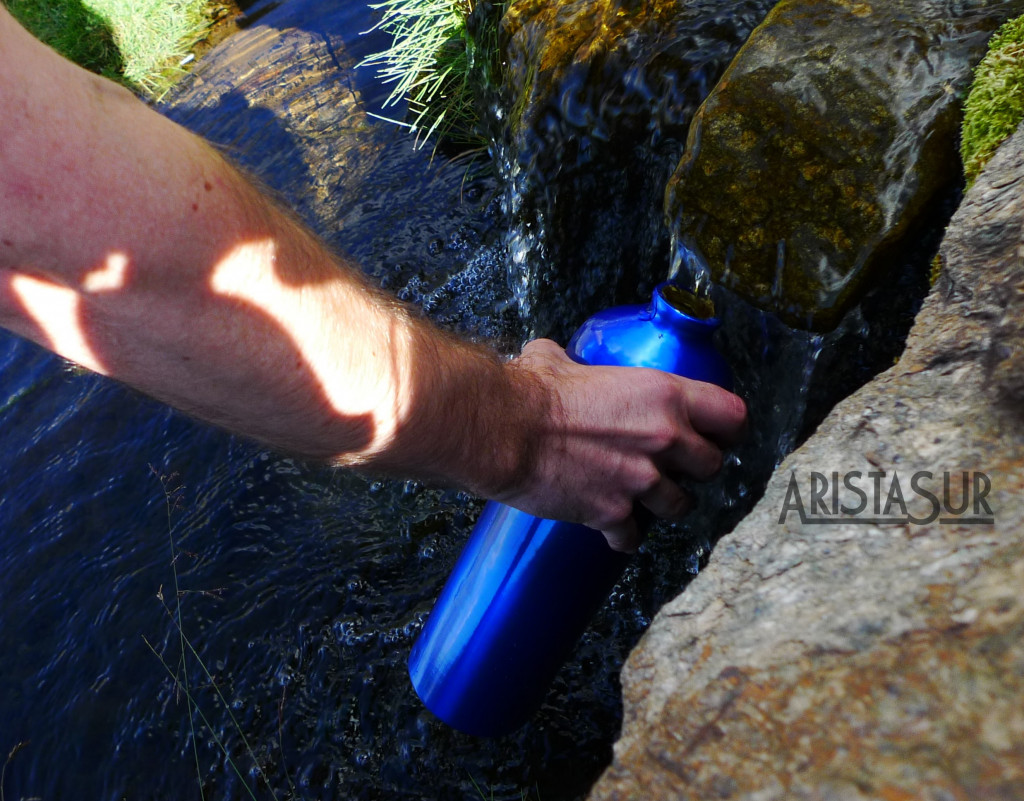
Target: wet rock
{"points": [[821, 153], [875, 659], [601, 93]]}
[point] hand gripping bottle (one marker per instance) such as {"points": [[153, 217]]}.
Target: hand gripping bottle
{"points": [[524, 588]]}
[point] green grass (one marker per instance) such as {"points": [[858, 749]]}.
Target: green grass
{"points": [[137, 42], [524, 795], [442, 54], [995, 105], [428, 63]]}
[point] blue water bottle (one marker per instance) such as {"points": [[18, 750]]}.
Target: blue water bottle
{"points": [[524, 589]]}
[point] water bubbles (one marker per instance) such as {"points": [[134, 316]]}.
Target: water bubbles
{"points": [[459, 500], [414, 291], [428, 551], [350, 632], [473, 300], [285, 675], [415, 625], [394, 636]]}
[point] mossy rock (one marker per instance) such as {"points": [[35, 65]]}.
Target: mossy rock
{"points": [[619, 49], [995, 106], [813, 164], [600, 96]]}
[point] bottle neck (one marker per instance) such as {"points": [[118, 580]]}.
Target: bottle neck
{"points": [[678, 308]]}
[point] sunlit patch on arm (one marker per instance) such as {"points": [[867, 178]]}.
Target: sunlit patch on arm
{"points": [[55, 311], [367, 386], [108, 278]]}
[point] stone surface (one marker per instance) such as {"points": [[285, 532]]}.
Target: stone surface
{"points": [[599, 95], [878, 660], [815, 161]]}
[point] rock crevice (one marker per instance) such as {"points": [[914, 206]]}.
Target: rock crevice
{"points": [[862, 660]]}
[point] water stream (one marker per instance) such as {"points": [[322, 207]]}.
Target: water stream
{"points": [[302, 588]]}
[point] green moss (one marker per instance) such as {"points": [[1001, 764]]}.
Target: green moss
{"points": [[936, 270], [439, 49], [137, 42], [995, 105]]}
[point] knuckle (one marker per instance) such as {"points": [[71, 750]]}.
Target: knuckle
{"points": [[647, 478], [668, 390], [623, 539], [665, 436], [613, 511], [711, 461]]}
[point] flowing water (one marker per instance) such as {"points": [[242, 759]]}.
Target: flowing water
{"points": [[301, 589]]}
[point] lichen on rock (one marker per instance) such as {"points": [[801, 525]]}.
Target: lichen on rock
{"points": [[823, 149], [598, 97]]}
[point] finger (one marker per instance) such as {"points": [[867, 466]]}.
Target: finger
{"points": [[717, 413], [542, 347], [695, 457], [667, 500], [624, 536]]}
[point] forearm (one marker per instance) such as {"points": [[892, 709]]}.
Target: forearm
{"points": [[173, 274], [131, 247]]}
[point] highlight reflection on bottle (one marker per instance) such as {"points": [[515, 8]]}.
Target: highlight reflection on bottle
{"points": [[523, 590]]}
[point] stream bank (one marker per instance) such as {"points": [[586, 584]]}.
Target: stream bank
{"points": [[826, 656]]}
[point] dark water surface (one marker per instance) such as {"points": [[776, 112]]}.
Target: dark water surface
{"points": [[302, 588]]}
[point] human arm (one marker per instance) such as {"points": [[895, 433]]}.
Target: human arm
{"points": [[131, 247]]}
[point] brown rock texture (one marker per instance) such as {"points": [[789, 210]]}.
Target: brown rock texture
{"points": [[599, 95], [603, 59], [828, 143], [866, 660]]}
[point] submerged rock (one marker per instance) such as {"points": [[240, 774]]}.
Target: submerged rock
{"points": [[867, 659], [600, 94], [816, 160]]}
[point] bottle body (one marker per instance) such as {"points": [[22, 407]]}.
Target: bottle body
{"points": [[524, 588]]}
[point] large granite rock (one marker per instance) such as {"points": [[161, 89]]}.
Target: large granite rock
{"points": [[870, 660], [827, 145]]}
